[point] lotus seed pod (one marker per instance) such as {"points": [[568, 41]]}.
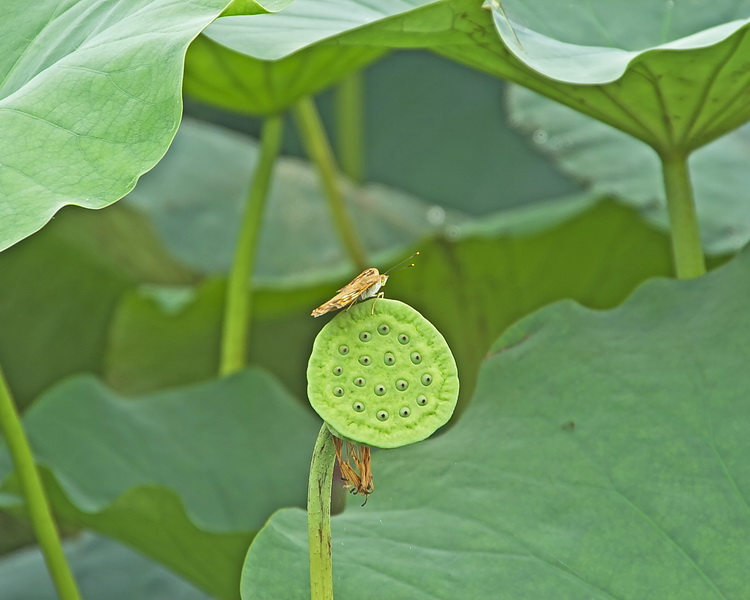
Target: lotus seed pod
{"points": [[395, 383]]}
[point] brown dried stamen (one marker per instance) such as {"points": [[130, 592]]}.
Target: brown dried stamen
{"points": [[356, 468]]}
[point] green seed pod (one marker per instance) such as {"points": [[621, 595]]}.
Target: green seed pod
{"points": [[390, 399]]}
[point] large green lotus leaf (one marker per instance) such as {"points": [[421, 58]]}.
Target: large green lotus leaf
{"points": [[685, 71], [186, 476], [681, 65], [234, 81], [89, 100], [102, 568], [152, 519], [611, 162], [61, 286], [304, 24], [583, 43], [196, 196], [471, 283], [209, 443], [252, 64], [604, 456]]}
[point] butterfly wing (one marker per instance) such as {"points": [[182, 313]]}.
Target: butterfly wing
{"points": [[340, 300], [350, 292]]}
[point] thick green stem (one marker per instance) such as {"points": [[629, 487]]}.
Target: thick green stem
{"points": [[36, 500], [319, 516], [686, 242], [237, 304], [349, 129], [319, 150]]}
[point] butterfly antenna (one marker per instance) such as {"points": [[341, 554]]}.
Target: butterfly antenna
{"points": [[402, 262]]}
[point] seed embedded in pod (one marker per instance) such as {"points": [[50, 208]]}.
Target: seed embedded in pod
{"points": [[383, 329], [422, 400], [389, 359], [344, 350], [365, 336], [365, 360], [405, 411], [338, 371], [426, 379], [382, 415], [358, 406], [402, 384], [403, 338], [380, 390], [416, 358], [359, 381], [338, 391]]}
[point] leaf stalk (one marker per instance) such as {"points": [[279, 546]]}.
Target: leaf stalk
{"points": [[349, 126], [319, 150], [319, 516], [238, 300], [687, 251], [39, 511]]}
